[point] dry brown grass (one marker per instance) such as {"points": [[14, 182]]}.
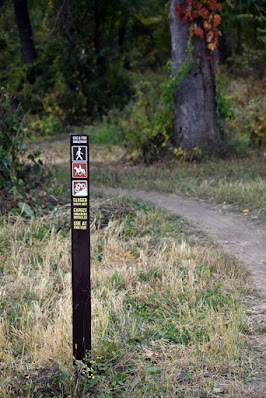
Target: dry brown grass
{"points": [[167, 314]]}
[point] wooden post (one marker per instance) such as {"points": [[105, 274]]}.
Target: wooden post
{"points": [[80, 226]]}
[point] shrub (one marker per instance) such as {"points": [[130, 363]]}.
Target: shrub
{"points": [[12, 136], [45, 125], [249, 103], [147, 122], [13, 133], [148, 119]]}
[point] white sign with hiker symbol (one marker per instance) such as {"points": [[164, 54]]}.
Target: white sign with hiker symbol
{"points": [[79, 153]]}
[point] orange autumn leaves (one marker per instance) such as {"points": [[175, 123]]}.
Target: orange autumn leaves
{"points": [[204, 18]]}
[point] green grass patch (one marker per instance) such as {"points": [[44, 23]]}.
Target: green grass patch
{"points": [[101, 134]]}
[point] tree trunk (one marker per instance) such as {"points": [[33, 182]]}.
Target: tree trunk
{"points": [[25, 31], [195, 119]]}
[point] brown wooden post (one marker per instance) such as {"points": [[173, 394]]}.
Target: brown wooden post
{"points": [[80, 226]]}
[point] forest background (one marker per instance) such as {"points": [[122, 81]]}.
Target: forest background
{"points": [[108, 64]]}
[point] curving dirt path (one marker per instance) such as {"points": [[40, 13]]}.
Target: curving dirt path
{"points": [[236, 235]]}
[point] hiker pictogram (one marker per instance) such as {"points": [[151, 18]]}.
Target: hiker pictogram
{"points": [[79, 170], [79, 153]]}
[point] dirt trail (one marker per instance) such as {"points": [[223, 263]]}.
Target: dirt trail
{"points": [[240, 237]]}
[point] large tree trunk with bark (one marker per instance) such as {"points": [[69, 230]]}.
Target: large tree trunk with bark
{"points": [[25, 31], [195, 119]]}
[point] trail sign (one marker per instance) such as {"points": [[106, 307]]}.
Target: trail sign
{"points": [[79, 153], [80, 188], [80, 226]]}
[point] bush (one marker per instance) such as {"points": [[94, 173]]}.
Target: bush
{"points": [[45, 125], [13, 133], [249, 103], [12, 136], [147, 122]]}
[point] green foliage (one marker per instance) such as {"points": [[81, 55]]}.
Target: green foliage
{"points": [[26, 209], [251, 59], [249, 121], [12, 136], [104, 134], [257, 121], [224, 105], [84, 53], [46, 125], [14, 164], [224, 109], [241, 114], [252, 123], [243, 26], [147, 124]]}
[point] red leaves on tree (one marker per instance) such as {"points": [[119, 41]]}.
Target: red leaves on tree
{"points": [[205, 17], [212, 4], [216, 20], [196, 30], [180, 11], [203, 12], [207, 25]]}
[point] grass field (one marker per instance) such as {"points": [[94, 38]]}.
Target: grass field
{"points": [[168, 310], [168, 314], [239, 183]]}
